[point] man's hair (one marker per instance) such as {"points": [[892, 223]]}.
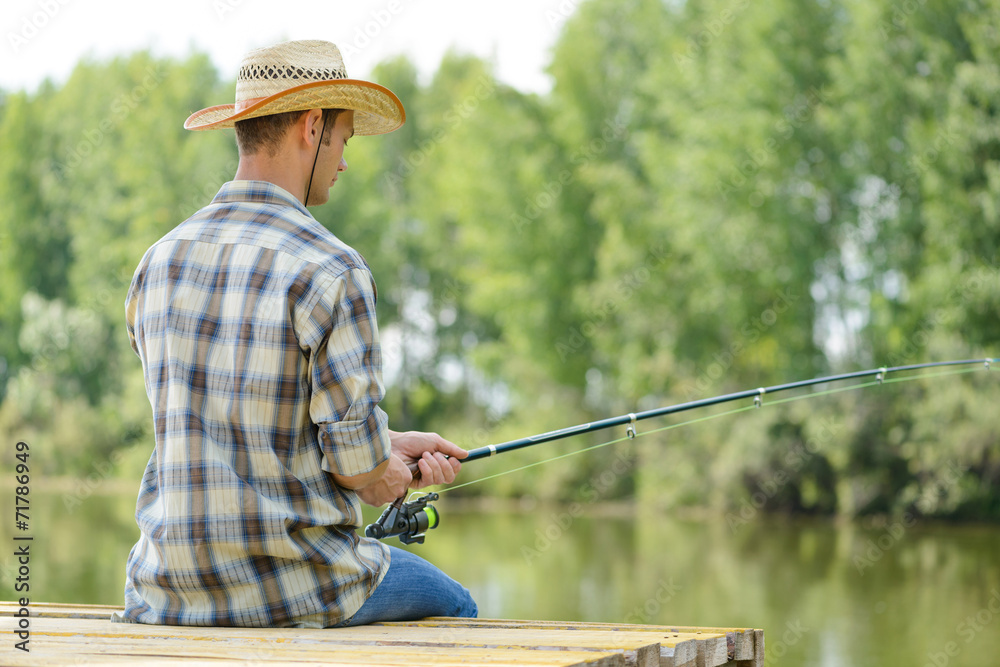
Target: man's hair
{"points": [[264, 133]]}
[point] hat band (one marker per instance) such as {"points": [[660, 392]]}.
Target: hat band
{"points": [[242, 105]]}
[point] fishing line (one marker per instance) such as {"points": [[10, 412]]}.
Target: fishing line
{"points": [[410, 520], [880, 380]]}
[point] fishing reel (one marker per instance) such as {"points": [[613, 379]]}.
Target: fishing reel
{"points": [[407, 520]]}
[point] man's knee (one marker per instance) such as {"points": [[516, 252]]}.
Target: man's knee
{"points": [[467, 607]]}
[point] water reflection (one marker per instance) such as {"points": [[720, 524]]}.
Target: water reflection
{"points": [[828, 594], [825, 594]]}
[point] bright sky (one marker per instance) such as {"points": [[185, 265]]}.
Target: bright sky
{"points": [[45, 38]]}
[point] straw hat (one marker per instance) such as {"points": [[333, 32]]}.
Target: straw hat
{"points": [[297, 76]]}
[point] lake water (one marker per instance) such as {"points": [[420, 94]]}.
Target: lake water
{"points": [[826, 594]]}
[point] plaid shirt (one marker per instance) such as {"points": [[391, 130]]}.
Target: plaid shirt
{"points": [[256, 330]]}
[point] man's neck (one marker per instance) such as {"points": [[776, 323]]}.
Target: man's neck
{"points": [[280, 172]]}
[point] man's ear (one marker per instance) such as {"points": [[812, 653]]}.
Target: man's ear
{"points": [[309, 127]]}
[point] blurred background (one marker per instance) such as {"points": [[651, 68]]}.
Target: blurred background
{"points": [[594, 208]]}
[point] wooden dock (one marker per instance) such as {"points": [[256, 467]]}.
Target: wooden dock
{"points": [[66, 634]]}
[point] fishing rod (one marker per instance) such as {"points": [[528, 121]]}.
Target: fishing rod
{"points": [[411, 520]]}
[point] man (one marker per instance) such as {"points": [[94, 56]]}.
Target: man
{"points": [[257, 335]]}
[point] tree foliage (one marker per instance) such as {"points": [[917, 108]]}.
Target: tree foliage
{"points": [[714, 196]]}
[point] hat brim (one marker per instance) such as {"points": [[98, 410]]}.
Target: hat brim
{"points": [[376, 109]]}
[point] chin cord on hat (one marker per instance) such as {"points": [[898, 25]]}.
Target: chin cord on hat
{"points": [[322, 134]]}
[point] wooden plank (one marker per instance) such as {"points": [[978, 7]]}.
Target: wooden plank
{"points": [[711, 652], [679, 646], [152, 661], [674, 644], [161, 661], [60, 610], [57, 641], [739, 641], [354, 654], [685, 653], [675, 649], [641, 651], [98, 648], [742, 645], [758, 658], [640, 648], [712, 646], [506, 622], [77, 633]]}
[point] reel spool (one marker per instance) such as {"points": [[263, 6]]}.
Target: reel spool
{"points": [[409, 521]]}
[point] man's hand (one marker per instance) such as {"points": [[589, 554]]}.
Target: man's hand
{"points": [[418, 460], [431, 458], [391, 485]]}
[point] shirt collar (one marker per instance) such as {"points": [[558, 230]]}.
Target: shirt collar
{"points": [[262, 192]]}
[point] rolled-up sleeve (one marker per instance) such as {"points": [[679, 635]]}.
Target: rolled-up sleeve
{"points": [[345, 371]]}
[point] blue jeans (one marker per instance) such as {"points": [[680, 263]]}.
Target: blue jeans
{"points": [[412, 589]]}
